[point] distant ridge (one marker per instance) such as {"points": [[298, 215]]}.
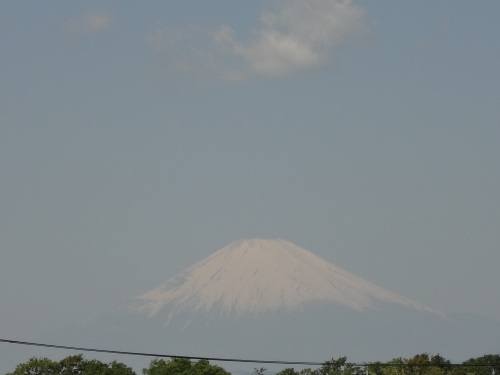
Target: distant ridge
{"points": [[263, 275]]}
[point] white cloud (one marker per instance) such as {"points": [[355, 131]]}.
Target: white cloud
{"points": [[89, 23], [295, 35]]}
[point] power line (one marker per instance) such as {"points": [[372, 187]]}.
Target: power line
{"points": [[143, 354]]}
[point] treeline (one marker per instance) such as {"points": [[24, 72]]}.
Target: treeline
{"points": [[421, 364]]}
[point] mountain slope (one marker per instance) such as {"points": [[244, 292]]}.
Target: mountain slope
{"points": [[256, 276]]}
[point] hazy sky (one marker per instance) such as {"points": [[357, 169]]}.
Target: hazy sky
{"points": [[138, 137]]}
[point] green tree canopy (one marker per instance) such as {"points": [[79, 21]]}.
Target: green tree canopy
{"points": [[73, 365], [332, 367], [183, 366], [485, 365]]}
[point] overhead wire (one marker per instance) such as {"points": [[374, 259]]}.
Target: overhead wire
{"points": [[240, 360], [157, 355]]}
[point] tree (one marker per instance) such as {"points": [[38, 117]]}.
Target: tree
{"points": [[73, 365], [287, 371], [183, 366], [339, 366], [292, 371], [379, 368], [37, 366], [423, 364], [420, 364], [486, 365], [332, 367]]}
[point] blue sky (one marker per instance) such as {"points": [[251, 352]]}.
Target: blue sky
{"points": [[137, 138]]}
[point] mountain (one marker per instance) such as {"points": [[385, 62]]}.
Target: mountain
{"points": [[268, 299], [272, 300], [257, 276]]}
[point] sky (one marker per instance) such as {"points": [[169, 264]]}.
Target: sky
{"points": [[137, 138]]}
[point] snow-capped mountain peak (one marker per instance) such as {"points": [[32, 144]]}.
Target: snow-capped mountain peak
{"points": [[259, 275]]}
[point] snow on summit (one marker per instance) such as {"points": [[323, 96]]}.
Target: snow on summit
{"points": [[259, 275]]}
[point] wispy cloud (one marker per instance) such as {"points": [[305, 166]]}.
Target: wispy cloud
{"points": [[89, 23], [295, 35]]}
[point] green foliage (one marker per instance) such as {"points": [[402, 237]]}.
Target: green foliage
{"points": [[291, 371], [423, 364], [332, 367], [73, 365], [377, 368], [339, 367], [183, 366], [485, 365], [287, 371], [420, 364], [37, 366]]}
